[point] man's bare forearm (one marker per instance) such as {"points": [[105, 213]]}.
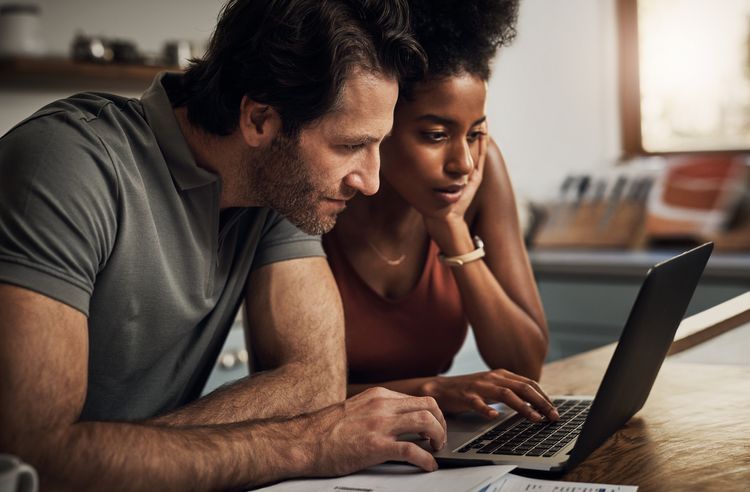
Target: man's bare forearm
{"points": [[125, 456], [285, 392]]}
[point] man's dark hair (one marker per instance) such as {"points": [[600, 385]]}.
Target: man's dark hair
{"points": [[295, 56], [462, 35]]}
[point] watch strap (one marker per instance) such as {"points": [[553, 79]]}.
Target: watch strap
{"points": [[461, 260]]}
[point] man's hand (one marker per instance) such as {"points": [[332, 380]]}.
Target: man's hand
{"points": [[363, 430], [475, 391]]}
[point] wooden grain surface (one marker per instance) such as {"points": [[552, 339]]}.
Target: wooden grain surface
{"points": [[693, 433], [704, 326]]}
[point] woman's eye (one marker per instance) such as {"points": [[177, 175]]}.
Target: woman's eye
{"points": [[474, 136], [434, 136]]}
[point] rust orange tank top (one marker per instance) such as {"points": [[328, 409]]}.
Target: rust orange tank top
{"points": [[415, 336]]}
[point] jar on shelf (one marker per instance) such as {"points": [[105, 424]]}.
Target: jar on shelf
{"points": [[20, 30]]}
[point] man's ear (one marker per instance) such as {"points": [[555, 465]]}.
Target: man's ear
{"points": [[259, 123]]}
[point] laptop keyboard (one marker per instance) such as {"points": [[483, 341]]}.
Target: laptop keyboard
{"points": [[520, 437]]}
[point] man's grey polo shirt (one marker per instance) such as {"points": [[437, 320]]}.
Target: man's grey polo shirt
{"points": [[103, 207]]}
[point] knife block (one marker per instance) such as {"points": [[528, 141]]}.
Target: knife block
{"points": [[592, 225]]}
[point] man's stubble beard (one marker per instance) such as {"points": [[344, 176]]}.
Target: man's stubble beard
{"points": [[284, 181]]}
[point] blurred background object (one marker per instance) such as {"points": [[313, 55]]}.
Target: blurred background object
{"points": [[651, 202], [178, 53], [700, 197], [20, 30], [91, 49], [603, 209]]}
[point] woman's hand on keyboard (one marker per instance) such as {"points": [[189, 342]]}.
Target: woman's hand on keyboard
{"points": [[477, 391]]}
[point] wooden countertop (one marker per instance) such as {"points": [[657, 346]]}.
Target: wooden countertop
{"points": [[692, 434]]}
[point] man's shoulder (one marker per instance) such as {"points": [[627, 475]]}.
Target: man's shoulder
{"points": [[85, 127], [71, 136], [86, 112]]}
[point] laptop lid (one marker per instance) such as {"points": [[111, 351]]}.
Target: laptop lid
{"points": [[653, 321], [644, 342]]}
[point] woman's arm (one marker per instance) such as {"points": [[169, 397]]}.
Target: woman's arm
{"points": [[499, 293]]}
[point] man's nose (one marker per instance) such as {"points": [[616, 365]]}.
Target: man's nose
{"points": [[366, 178]]}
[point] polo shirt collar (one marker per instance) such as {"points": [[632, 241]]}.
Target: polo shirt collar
{"points": [[160, 117]]}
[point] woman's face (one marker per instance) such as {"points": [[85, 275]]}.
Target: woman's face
{"points": [[434, 143]]}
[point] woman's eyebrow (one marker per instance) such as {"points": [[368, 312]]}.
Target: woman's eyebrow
{"points": [[433, 118], [480, 121], [442, 120]]}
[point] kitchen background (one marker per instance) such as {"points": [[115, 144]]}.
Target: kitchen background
{"points": [[553, 95], [553, 108]]}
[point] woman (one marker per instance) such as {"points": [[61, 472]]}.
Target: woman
{"points": [[408, 260]]}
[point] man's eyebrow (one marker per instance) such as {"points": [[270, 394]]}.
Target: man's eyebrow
{"points": [[441, 120]]}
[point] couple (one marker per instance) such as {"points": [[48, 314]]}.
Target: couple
{"points": [[132, 230]]}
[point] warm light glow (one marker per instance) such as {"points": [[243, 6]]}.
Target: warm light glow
{"points": [[695, 74]]}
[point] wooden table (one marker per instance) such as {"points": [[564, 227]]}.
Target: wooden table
{"points": [[693, 433]]}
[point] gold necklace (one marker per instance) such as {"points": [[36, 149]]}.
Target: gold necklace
{"points": [[383, 257]]}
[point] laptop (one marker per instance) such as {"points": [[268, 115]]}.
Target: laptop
{"points": [[585, 421]]}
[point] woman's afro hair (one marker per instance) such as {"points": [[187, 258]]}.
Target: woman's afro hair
{"points": [[462, 35]]}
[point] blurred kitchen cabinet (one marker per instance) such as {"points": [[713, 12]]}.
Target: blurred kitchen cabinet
{"points": [[232, 363], [587, 295]]}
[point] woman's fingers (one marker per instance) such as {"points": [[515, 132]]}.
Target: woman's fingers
{"points": [[536, 398], [522, 379], [478, 404], [521, 397], [525, 401]]}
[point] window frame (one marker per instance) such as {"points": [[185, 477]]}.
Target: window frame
{"points": [[629, 89]]}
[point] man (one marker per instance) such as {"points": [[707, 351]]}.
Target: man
{"points": [[131, 231]]}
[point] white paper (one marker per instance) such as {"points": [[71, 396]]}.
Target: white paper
{"points": [[514, 483], [400, 478]]}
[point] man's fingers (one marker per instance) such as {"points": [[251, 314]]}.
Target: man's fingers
{"points": [[415, 404], [411, 453], [420, 422]]}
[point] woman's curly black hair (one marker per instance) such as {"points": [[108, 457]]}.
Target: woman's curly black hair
{"points": [[462, 35]]}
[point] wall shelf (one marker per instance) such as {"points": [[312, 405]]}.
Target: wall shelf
{"points": [[52, 73]]}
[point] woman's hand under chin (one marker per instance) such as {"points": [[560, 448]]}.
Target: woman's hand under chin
{"points": [[447, 226], [456, 394]]}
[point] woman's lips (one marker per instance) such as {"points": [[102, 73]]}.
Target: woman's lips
{"points": [[449, 194]]}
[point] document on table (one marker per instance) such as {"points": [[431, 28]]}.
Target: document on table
{"points": [[514, 483], [400, 478]]}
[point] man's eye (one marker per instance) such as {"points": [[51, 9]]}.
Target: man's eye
{"points": [[354, 147]]}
